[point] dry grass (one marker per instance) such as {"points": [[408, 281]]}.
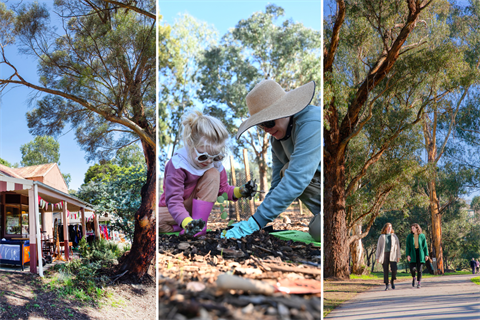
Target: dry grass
{"points": [[337, 292]]}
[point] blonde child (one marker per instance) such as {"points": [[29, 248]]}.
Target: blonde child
{"points": [[195, 176]]}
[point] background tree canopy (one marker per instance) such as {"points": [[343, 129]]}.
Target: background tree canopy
{"points": [[259, 47]]}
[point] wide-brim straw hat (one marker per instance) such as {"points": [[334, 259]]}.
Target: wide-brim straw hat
{"points": [[268, 101]]}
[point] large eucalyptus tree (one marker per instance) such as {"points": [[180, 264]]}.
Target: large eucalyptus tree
{"points": [[96, 67]]}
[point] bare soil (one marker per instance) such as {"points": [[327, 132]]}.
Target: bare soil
{"points": [[22, 296], [189, 267]]}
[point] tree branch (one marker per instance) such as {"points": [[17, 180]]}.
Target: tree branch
{"points": [[131, 7], [334, 40], [150, 140]]}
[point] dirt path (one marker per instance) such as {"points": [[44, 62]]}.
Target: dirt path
{"points": [[22, 296], [445, 297]]}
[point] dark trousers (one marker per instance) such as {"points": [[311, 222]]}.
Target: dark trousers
{"points": [[393, 266], [473, 269], [416, 267]]}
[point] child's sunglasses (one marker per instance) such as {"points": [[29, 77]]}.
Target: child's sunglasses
{"points": [[202, 157], [267, 124]]}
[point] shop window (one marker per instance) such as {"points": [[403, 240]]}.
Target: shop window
{"points": [[12, 198], [16, 220], [25, 229]]}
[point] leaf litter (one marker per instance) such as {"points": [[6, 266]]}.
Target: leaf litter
{"points": [[259, 270]]}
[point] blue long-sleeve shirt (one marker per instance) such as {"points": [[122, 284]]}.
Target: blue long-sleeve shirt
{"points": [[302, 152]]}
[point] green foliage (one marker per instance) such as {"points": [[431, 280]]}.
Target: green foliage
{"points": [[68, 178], [119, 195], [262, 46], [101, 251], [42, 150], [81, 279], [5, 163], [189, 38], [129, 156], [475, 204], [222, 199], [105, 171], [7, 18]]}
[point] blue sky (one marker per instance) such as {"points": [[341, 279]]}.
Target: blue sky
{"points": [[225, 14], [14, 104]]}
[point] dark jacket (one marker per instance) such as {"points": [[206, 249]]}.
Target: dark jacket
{"points": [[422, 245]]}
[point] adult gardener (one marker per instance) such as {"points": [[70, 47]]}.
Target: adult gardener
{"points": [[294, 126]]}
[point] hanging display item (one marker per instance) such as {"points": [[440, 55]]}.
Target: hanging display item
{"points": [[45, 205]]}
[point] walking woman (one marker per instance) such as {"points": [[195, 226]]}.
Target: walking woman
{"points": [[388, 253], [417, 252]]}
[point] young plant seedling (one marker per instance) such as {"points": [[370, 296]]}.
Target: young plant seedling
{"points": [[221, 199], [194, 227]]}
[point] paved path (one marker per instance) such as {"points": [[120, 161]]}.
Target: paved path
{"points": [[448, 297]]}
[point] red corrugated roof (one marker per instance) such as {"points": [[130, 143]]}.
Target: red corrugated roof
{"points": [[34, 171], [4, 170]]}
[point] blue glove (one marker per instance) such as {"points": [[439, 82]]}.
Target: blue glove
{"points": [[242, 229]]}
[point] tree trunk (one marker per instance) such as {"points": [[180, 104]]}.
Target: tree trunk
{"points": [[143, 247], [335, 226], [436, 228], [262, 165], [431, 145], [357, 252]]}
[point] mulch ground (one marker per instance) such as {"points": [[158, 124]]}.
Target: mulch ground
{"points": [[189, 267], [22, 296]]}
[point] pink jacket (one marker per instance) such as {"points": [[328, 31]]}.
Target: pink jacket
{"points": [[179, 184]]}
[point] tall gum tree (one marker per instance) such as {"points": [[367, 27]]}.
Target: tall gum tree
{"points": [[98, 76], [392, 22], [458, 53]]}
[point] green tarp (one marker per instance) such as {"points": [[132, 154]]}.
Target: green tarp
{"points": [[296, 235]]}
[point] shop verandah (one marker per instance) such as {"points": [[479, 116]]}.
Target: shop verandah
{"points": [[26, 214]]}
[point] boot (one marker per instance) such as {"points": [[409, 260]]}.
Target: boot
{"points": [[201, 210], [413, 282], [393, 285], [176, 228]]}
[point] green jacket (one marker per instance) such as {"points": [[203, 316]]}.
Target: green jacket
{"points": [[422, 246]]}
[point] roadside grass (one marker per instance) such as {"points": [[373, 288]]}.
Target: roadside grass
{"points": [[80, 279], [337, 292], [476, 280]]}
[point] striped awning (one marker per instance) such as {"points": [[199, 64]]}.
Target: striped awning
{"points": [[14, 184]]}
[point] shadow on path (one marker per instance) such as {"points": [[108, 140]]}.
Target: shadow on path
{"points": [[447, 297]]}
